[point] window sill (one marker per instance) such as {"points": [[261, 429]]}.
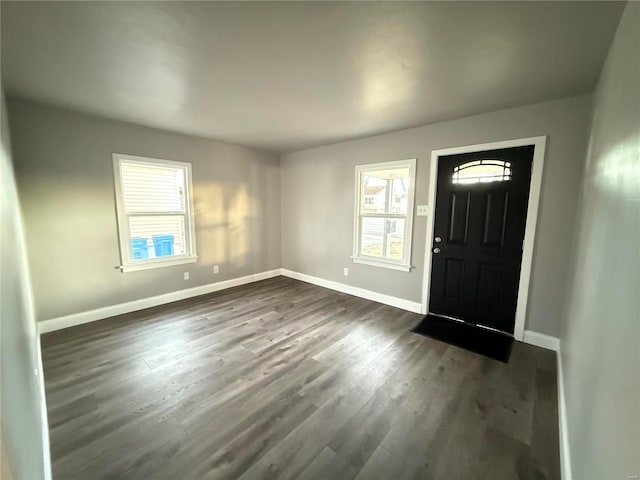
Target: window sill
{"points": [[381, 263], [157, 263]]}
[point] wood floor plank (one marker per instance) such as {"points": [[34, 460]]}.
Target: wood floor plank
{"points": [[328, 466], [545, 464], [281, 379], [387, 465], [296, 451]]}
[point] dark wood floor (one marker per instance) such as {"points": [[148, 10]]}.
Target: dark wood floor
{"points": [[281, 379]]}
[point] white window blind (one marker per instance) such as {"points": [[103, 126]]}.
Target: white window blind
{"points": [[153, 200], [149, 188]]}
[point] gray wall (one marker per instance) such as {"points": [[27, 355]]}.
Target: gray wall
{"points": [[23, 411], [600, 338], [318, 190], [65, 180]]}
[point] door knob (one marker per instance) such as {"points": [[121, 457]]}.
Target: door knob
{"points": [[437, 239], [436, 250]]}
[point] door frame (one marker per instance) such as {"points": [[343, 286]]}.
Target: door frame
{"points": [[539, 144]]}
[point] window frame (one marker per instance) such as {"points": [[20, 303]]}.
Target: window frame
{"points": [[127, 263], [357, 257]]}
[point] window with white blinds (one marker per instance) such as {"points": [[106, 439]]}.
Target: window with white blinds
{"points": [[154, 207]]}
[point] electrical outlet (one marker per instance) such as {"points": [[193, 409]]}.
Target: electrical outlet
{"points": [[186, 275], [346, 272], [423, 211], [216, 269]]}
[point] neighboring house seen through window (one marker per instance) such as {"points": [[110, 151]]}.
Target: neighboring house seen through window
{"points": [[155, 212], [384, 214]]}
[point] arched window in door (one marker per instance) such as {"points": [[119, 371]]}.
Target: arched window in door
{"points": [[482, 171]]}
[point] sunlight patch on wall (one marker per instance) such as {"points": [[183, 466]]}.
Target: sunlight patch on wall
{"points": [[621, 172], [224, 223]]}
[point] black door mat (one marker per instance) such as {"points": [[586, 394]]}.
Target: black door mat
{"points": [[470, 337]]}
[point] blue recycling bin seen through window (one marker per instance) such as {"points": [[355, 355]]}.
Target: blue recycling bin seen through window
{"points": [[163, 245], [139, 248]]}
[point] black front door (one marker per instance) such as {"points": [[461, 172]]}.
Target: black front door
{"points": [[481, 211]]}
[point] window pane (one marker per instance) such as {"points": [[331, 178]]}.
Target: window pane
{"points": [[156, 236], [395, 239], [383, 238], [152, 188], [375, 195], [372, 237], [482, 171], [385, 191], [399, 197]]}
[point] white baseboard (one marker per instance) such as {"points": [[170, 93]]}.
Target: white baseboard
{"points": [[44, 414], [541, 340], [358, 292], [112, 310], [565, 454]]}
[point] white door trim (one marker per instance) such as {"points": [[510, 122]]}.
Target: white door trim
{"points": [[539, 144]]}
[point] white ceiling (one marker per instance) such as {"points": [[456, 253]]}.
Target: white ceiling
{"points": [[286, 76]]}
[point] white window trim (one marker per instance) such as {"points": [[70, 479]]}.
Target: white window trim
{"points": [[405, 264], [127, 264]]}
